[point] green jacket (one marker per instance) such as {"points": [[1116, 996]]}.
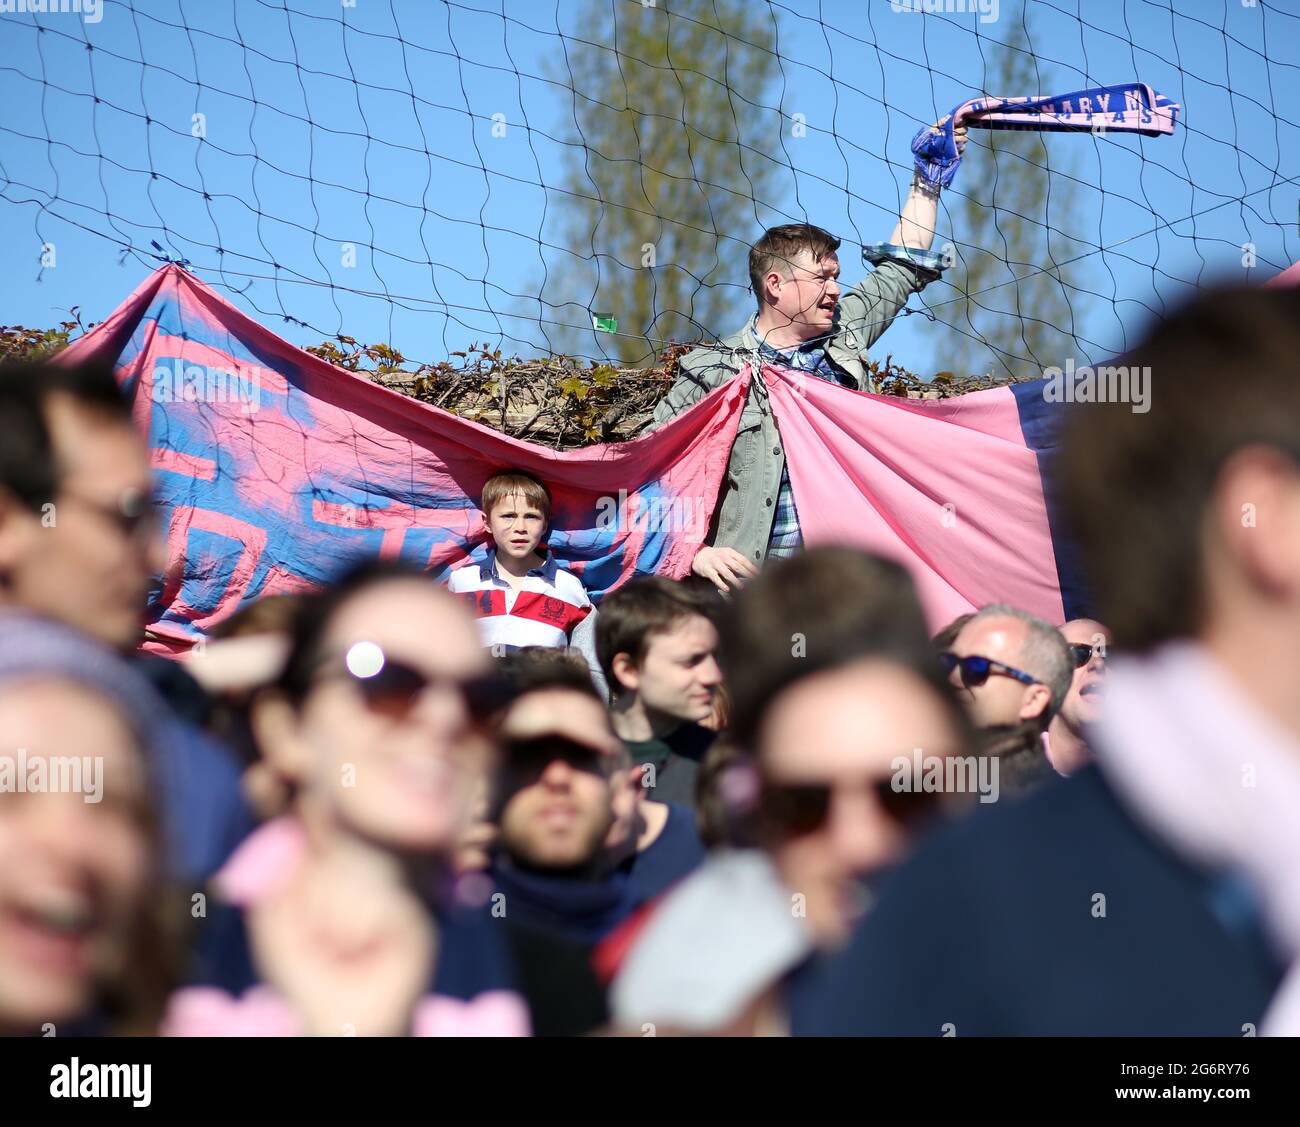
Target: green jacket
{"points": [[743, 516]]}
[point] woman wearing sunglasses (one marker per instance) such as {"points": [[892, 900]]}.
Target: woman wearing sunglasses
{"points": [[340, 917], [835, 809]]}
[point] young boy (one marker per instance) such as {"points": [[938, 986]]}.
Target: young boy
{"points": [[521, 595]]}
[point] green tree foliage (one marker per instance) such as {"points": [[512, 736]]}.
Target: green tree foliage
{"points": [[664, 103], [19, 343], [1015, 311]]}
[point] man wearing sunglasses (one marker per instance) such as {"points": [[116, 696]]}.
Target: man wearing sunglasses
{"points": [[78, 541], [1067, 736], [79, 545], [1010, 668], [554, 807]]}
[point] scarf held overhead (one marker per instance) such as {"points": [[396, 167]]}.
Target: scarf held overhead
{"points": [[1129, 107]]}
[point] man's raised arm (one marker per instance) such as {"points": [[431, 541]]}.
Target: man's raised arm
{"points": [[869, 308], [921, 208]]}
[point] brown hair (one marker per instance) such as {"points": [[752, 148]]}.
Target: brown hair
{"points": [[29, 463], [633, 613], [780, 246], [1018, 749], [502, 485], [535, 668], [726, 797], [812, 611], [271, 614], [719, 720], [1224, 373]]}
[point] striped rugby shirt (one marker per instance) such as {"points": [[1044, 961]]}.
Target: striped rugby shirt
{"points": [[551, 605]]}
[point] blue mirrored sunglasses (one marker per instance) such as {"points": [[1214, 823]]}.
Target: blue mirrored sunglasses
{"points": [[975, 670]]}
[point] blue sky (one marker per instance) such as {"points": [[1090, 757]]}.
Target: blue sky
{"points": [[372, 125]]}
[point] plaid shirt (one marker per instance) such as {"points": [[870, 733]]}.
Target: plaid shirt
{"points": [[785, 538]]}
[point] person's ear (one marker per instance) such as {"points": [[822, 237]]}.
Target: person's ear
{"points": [[629, 778], [275, 730], [18, 524], [1036, 699], [1258, 489], [626, 673]]}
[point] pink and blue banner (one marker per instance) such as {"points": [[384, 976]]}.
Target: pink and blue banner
{"points": [[273, 468], [953, 488]]}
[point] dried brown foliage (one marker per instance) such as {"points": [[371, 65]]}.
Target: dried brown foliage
{"points": [[560, 401], [565, 402]]}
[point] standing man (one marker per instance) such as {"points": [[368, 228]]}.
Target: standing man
{"points": [[803, 322]]}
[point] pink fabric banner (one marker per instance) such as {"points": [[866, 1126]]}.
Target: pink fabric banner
{"points": [[947, 487]]}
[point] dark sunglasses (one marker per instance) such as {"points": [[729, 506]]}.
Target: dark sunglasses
{"points": [[1082, 653], [530, 757], [976, 670], [390, 687], [796, 809], [134, 515]]}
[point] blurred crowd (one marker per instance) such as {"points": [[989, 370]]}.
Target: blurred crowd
{"points": [[790, 809]]}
